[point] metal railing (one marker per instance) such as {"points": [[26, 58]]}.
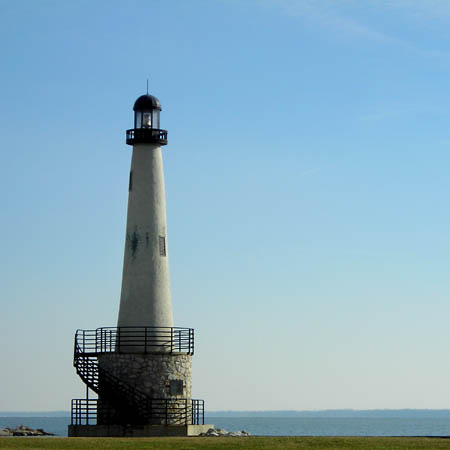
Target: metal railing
{"points": [[128, 403], [135, 339], [159, 411], [143, 135], [84, 411], [198, 412], [88, 370]]}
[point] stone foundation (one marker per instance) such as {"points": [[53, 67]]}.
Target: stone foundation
{"points": [[162, 376], [155, 374], [136, 431]]}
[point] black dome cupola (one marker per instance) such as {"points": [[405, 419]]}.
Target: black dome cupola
{"points": [[147, 102], [147, 130]]}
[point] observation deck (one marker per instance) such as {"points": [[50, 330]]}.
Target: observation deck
{"points": [[146, 136], [134, 340]]}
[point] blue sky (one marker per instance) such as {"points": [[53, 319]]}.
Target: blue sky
{"points": [[307, 193]]}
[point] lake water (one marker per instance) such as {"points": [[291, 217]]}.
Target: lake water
{"points": [[286, 426]]}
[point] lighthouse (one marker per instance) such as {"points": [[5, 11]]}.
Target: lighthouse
{"points": [[140, 370], [145, 298]]}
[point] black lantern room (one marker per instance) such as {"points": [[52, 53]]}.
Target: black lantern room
{"points": [[146, 129]]}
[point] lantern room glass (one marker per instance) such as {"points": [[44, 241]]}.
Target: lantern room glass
{"points": [[146, 119], [138, 119], [155, 119]]}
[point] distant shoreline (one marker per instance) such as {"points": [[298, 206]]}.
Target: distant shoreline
{"points": [[382, 413]]}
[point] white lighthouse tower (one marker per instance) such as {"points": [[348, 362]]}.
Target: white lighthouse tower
{"points": [[140, 370], [145, 298]]}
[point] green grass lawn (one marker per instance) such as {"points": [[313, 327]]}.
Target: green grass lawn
{"points": [[257, 442]]}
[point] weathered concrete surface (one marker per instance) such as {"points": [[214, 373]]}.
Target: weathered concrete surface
{"points": [[145, 298], [136, 431]]}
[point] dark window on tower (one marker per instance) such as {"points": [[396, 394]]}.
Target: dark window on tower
{"points": [[130, 185], [162, 246], [176, 387]]}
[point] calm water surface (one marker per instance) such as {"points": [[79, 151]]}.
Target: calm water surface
{"points": [[286, 426], [335, 426]]}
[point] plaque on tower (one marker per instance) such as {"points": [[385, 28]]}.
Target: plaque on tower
{"points": [[176, 387]]}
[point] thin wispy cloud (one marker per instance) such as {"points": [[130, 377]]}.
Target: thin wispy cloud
{"points": [[326, 14], [421, 10], [417, 27], [344, 18]]}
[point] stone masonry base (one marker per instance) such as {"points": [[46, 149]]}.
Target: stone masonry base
{"points": [[136, 430], [151, 373]]}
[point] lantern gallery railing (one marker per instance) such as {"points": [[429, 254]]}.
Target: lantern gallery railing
{"points": [[146, 135], [135, 339], [159, 411]]}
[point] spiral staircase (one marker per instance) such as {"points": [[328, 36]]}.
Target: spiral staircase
{"points": [[119, 402]]}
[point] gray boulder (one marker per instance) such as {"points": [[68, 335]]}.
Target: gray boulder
{"points": [[222, 432], [23, 430]]}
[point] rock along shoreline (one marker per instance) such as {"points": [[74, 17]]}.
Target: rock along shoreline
{"points": [[221, 432], [22, 430]]}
